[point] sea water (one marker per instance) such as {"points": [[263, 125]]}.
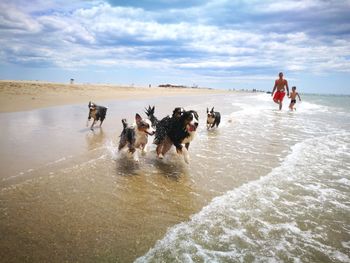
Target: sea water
{"points": [[265, 186], [299, 211]]}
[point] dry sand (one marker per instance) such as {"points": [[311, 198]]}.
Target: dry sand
{"points": [[28, 95]]}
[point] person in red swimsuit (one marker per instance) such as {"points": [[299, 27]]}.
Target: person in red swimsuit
{"points": [[280, 93]]}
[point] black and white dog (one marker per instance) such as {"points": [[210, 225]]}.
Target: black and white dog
{"points": [[213, 118], [136, 136], [97, 113], [176, 130]]}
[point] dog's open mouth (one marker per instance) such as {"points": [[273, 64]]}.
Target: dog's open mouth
{"points": [[191, 127], [150, 133]]}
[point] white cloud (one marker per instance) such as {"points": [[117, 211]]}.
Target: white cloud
{"points": [[287, 5], [102, 35], [13, 19]]}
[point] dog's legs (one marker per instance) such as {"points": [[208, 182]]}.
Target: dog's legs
{"points": [[133, 153], [136, 155], [184, 152], [122, 144], [92, 125], [166, 147], [132, 149], [186, 155], [144, 149], [159, 150], [101, 123]]}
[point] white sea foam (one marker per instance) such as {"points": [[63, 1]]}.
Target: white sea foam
{"points": [[309, 107], [273, 218]]}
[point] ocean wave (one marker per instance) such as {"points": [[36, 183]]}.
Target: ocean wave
{"points": [[299, 211]]}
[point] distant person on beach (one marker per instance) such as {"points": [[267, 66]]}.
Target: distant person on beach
{"points": [[280, 93], [293, 96]]}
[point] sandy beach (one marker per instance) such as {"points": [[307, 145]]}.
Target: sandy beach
{"points": [[249, 192], [111, 213], [28, 95], [270, 182]]}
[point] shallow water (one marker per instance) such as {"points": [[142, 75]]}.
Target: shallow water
{"points": [[280, 183]]}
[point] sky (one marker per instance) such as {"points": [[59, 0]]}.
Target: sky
{"points": [[220, 44]]}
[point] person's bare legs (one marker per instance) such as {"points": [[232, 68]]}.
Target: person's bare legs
{"points": [[292, 106], [279, 103]]}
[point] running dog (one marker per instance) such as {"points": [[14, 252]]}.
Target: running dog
{"points": [[213, 118], [176, 130], [98, 113], [162, 126], [136, 136]]}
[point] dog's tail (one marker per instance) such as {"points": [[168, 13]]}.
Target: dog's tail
{"points": [[125, 124], [150, 114], [149, 111]]}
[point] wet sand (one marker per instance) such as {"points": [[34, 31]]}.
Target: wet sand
{"points": [[66, 195], [28, 95]]}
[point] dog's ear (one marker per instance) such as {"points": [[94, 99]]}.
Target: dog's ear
{"points": [[138, 118], [153, 109], [207, 110], [212, 110]]}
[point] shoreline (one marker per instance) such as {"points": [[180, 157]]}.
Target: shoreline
{"points": [[29, 95]]}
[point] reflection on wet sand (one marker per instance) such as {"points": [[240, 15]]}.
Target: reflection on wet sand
{"points": [[90, 213], [95, 138], [171, 170], [84, 202], [127, 166]]}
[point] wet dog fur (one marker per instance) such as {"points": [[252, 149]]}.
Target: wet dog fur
{"points": [[176, 130], [162, 126], [136, 136]]}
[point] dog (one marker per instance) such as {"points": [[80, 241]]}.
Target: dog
{"points": [[136, 136], [162, 126], [213, 118], [176, 130], [98, 113]]}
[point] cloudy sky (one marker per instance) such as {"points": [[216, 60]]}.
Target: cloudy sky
{"points": [[218, 44]]}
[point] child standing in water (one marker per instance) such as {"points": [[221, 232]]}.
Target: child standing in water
{"points": [[292, 97]]}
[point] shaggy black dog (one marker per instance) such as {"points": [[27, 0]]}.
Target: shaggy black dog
{"points": [[163, 126]]}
